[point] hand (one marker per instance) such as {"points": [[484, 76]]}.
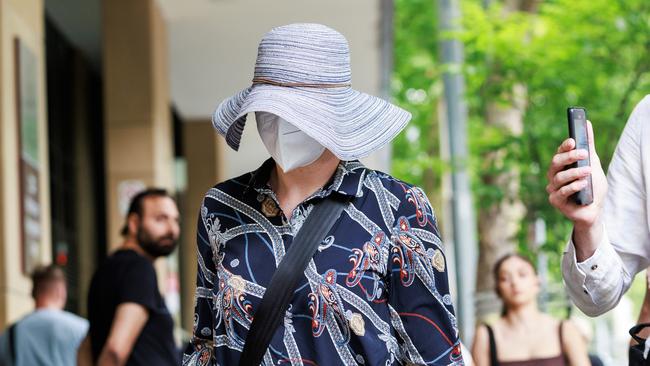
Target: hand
{"points": [[565, 182]]}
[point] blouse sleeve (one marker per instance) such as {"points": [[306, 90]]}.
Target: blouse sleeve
{"points": [[420, 305]]}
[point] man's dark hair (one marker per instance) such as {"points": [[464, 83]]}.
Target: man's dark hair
{"points": [[43, 277], [136, 205]]}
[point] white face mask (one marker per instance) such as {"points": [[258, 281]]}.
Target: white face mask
{"points": [[288, 145]]}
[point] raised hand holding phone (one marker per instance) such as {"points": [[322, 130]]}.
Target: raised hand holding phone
{"points": [[566, 179]]}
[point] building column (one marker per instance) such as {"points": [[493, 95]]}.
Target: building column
{"points": [[202, 148], [85, 182], [24, 202], [138, 129]]}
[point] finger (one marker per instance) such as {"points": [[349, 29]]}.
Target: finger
{"points": [[592, 144], [564, 177], [566, 145], [561, 160], [565, 191], [590, 136]]}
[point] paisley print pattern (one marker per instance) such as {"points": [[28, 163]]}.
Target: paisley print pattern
{"points": [[375, 293]]}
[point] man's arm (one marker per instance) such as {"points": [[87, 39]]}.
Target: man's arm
{"points": [[128, 322], [610, 242], [85, 353]]}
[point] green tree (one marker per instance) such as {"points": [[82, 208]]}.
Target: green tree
{"points": [[417, 86], [593, 53]]}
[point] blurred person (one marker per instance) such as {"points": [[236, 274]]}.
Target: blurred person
{"points": [[523, 335], [129, 321], [49, 335], [610, 242], [376, 290]]}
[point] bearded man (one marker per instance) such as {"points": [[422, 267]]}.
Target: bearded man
{"points": [[129, 322]]}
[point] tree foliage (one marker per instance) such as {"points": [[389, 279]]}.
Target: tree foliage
{"points": [[592, 53]]}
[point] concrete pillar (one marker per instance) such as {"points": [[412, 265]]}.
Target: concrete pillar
{"points": [[22, 20], [85, 204], [138, 130], [202, 148]]}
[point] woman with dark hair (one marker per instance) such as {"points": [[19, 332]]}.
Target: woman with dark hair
{"points": [[523, 335]]}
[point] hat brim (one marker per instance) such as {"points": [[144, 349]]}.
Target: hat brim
{"points": [[349, 123]]}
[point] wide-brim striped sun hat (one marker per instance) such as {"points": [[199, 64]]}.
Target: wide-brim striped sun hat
{"points": [[302, 74]]}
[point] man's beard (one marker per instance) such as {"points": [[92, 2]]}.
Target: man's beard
{"points": [[154, 247]]}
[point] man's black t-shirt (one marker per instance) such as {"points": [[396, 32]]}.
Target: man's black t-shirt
{"points": [[126, 276]]}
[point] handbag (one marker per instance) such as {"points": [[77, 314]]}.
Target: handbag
{"points": [[284, 281], [636, 351]]}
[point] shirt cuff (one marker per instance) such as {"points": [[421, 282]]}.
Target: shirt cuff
{"points": [[592, 282]]}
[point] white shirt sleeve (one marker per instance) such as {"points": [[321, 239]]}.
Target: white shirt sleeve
{"points": [[597, 284]]}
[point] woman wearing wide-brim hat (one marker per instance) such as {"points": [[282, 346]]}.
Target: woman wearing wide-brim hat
{"points": [[371, 287]]}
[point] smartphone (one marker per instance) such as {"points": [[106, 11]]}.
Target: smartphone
{"points": [[577, 117]]}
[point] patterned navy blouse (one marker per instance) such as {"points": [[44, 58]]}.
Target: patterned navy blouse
{"points": [[375, 293]]}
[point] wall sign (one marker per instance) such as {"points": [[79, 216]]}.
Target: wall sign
{"points": [[29, 150]]}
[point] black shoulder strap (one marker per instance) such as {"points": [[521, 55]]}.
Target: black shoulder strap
{"points": [[12, 343], [493, 347], [284, 281]]}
